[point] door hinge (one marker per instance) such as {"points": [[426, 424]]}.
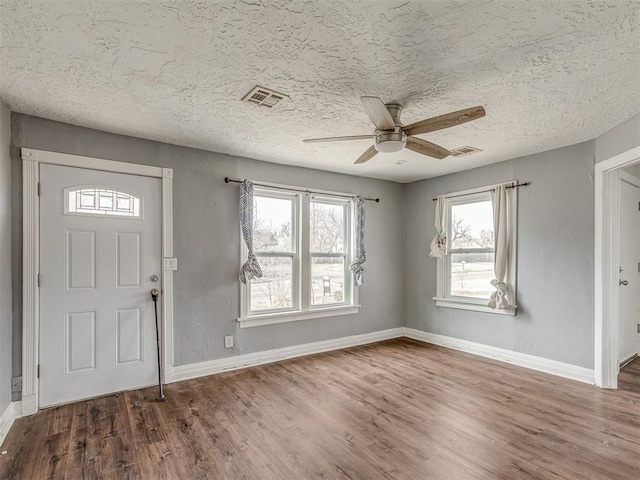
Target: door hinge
{"points": [[38, 279], [639, 328], [39, 193], [38, 372]]}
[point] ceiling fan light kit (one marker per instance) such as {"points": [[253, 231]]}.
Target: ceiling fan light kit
{"points": [[390, 142], [391, 136]]}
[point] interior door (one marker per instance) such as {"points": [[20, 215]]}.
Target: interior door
{"points": [[100, 256], [628, 280]]}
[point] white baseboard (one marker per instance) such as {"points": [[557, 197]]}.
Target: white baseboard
{"points": [[201, 369], [186, 372], [13, 411], [553, 367], [30, 404]]}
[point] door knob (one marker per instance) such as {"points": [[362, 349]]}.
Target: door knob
{"points": [[623, 282], [154, 278]]}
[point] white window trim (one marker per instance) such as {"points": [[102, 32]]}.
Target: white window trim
{"points": [[302, 292], [295, 254], [348, 254], [480, 304]]}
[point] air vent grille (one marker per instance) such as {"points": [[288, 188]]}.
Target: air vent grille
{"points": [[462, 151], [264, 97]]}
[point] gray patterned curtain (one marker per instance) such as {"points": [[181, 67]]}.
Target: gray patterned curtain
{"points": [[361, 257], [250, 270], [439, 242]]}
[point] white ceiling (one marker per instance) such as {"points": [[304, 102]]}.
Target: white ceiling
{"points": [[549, 73]]}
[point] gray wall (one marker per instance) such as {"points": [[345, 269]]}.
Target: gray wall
{"points": [[207, 239], [5, 259], [619, 139], [555, 319], [555, 242]]}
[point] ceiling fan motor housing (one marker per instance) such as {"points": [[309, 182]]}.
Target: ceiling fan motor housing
{"points": [[390, 141]]}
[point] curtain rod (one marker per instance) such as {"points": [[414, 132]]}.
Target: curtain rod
{"points": [[525, 184], [292, 189]]}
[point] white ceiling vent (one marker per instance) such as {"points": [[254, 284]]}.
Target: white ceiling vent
{"points": [[264, 97], [462, 151]]}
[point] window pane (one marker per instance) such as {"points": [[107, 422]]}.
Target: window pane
{"points": [[87, 199], [273, 290], [123, 204], [99, 201], [105, 201], [327, 228], [327, 280], [272, 224], [472, 225], [471, 274]]}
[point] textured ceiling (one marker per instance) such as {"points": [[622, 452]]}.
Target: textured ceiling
{"points": [[549, 73]]}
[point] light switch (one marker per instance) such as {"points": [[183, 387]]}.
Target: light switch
{"points": [[171, 264]]}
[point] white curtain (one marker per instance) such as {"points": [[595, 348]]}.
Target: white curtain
{"points": [[250, 270], [500, 297], [439, 242], [361, 257]]}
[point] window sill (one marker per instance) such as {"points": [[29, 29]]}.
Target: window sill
{"points": [[273, 318], [463, 304]]}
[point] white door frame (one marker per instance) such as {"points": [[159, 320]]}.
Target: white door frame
{"points": [[31, 160], [607, 255]]}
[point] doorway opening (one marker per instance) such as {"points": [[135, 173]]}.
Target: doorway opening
{"points": [[617, 266]]}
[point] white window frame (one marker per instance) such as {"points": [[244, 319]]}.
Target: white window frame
{"points": [[443, 298], [294, 254], [301, 289], [347, 253]]}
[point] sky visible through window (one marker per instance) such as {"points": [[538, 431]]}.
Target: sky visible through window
{"points": [[272, 208], [478, 216]]}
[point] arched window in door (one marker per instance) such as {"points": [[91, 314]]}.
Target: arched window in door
{"points": [[102, 201]]}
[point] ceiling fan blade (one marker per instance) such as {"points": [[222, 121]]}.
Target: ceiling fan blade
{"points": [[378, 113], [445, 121], [367, 155], [338, 139], [427, 148]]}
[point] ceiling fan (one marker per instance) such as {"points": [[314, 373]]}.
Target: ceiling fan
{"points": [[391, 136]]}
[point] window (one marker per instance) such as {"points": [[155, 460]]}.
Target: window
{"points": [[471, 252], [303, 244], [101, 201], [329, 248], [466, 272], [275, 241]]}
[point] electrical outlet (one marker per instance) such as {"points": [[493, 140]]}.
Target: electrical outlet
{"points": [[16, 384], [228, 341]]}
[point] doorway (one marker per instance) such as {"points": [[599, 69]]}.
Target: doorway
{"points": [[629, 269], [97, 236], [616, 264]]}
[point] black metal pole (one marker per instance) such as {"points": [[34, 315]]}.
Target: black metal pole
{"points": [[154, 296], [293, 189]]}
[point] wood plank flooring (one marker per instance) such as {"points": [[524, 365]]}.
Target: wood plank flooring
{"points": [[393, 410]]}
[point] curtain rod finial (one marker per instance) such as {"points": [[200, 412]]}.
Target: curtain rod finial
{"points": [[226, 179]]}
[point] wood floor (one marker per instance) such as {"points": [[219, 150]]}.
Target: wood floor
{"points": [[394, 410]]}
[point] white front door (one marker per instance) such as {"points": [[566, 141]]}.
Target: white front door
{"points": [[100, 256], [628, 279]]}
